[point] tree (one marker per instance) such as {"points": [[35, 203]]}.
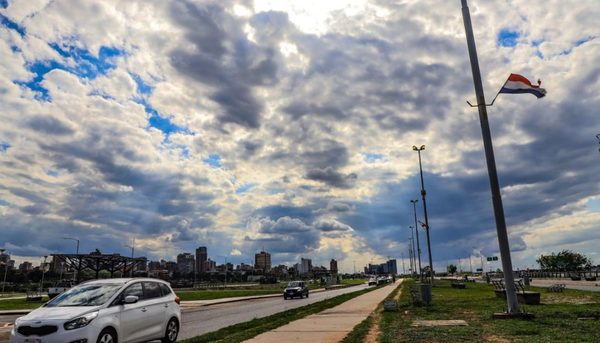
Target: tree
{"points": [[451, 269], [564, 260]]}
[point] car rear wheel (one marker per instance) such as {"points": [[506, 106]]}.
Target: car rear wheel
{"points": [[107, 336], [171, 332]]}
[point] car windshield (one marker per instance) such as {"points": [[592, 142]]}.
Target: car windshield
{"points": [[86, 295], [294, 284]]}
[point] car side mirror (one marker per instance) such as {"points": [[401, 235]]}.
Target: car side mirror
{"points": [[130, 299]]}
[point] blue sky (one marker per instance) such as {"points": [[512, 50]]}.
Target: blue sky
{"points": [[289, 126]]}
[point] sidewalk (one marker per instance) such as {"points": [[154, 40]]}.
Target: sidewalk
{"points": [[331, 325]]}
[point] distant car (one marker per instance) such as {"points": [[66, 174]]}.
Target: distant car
{"points": [[372, 281], [295, 289], [106, 311]]}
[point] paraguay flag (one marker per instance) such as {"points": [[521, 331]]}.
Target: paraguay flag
{"points": [[519, 84]]}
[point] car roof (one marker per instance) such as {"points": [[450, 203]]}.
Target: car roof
{"points": [[121, 281]]}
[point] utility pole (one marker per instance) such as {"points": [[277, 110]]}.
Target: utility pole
{"points": [[423, 194], [509, 282], [414, 202], [402, 258]]}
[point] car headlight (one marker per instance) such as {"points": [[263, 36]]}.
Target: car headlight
{"points": [[81, 321]]}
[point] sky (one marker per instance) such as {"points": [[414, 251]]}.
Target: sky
{"points": [[288, 126]]}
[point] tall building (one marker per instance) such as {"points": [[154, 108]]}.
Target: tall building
{"points": [[201, 257], [305, 266], [26, 266], [185, 263], [262, 260], [333, 268], [391, 267]]}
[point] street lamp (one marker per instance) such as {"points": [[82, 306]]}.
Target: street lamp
{"points": [[5, 269], [414, 202], [132, 246], [76, 240], [423, 193]]}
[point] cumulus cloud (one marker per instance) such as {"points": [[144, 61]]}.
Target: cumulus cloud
{"points": [[243, 125]]}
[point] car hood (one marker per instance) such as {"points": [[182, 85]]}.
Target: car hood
{"points": [[67, 312], [293, 288]]}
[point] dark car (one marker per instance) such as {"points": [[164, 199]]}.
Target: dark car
{"points": [[295, 289]]}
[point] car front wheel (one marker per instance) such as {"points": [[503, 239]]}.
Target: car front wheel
{"points": [[107, 336], [171, 332]]}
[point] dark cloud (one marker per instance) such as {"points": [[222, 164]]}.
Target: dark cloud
{"points": [[49, 125], [328, 225], [225, 59], [332, 177]]}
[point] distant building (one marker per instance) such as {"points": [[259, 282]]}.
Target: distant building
{"points": [[262, 260], [201, 257], [333, 268], [391, 267], [209, 265], [305, 266], [26, 266], [185, 263]]}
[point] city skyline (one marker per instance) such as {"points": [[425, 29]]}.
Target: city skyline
{"points": [[287, 127]]}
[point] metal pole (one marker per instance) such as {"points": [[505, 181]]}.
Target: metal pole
{"points": [[414, 202], [403, 269], [411, 253], [43, 273], [509, 282], [412, 235], [5, 269], [423, 194]]}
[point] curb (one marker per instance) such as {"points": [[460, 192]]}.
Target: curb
{"points": [[11, 312]]}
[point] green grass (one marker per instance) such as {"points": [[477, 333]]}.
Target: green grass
{"points": [[556, 319], [353, 281], [20, 304], [243, 331], [219, 294]]}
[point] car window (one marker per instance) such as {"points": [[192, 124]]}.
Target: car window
{"points": [[85, 295], [135, 289], [165, 289], [151, 290]]}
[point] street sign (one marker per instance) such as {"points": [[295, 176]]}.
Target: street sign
{"points": [[479, 270], [492, 258]]}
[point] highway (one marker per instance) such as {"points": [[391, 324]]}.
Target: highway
{"points": [[204, 319]]}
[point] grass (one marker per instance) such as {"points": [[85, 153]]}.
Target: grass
{"points": [[243, 331], [352, 281], [556, 319], [20, 304]]}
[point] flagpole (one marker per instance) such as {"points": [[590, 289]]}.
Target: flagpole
{"points": [[509, 282], [492, 103]]}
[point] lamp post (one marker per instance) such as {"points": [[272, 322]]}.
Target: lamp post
{"points": [[423, 194], [132, 246], [5, 269], [414, 257], [411, 253], [414, 202]]}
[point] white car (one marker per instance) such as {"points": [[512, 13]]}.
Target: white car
{"points": [[104, 311]]}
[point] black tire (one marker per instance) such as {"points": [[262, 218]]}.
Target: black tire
{"points": [[284, 297], [307, 294], [171, 332], [107, 335]]}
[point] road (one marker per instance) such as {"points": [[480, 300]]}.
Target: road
{"points": [[206, 319]]}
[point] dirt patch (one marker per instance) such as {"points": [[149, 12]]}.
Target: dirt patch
{"points": [[497, 339], [564, 300], [374, 330]]}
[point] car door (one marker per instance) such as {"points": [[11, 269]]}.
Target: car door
{"points": [[155, 312], [132, 318]]}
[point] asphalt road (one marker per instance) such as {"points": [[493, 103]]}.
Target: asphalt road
{"points": [[212, 318], [206, 319]]}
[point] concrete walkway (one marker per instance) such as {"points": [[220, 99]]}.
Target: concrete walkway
{"points": [[331, 325]]}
